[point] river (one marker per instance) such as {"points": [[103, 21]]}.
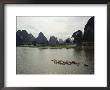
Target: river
{"points": [[38, 61]]}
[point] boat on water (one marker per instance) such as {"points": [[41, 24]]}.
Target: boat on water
{"points": [[61, 62]]}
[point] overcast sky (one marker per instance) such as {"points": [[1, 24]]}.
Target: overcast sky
{"points": [[61, 27]]}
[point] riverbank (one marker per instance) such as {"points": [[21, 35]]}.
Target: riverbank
{"points": [[59, 46]]}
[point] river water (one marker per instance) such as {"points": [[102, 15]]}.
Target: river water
{"points": [[38, 61]]}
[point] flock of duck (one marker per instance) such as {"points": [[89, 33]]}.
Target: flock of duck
{"points": [[61, 62]]}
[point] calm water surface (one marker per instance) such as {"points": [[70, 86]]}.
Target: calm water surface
{"points": [[38, 61]]}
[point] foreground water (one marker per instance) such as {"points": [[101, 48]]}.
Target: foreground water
{"points": [[38, 61]]}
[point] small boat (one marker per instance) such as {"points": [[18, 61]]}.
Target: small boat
{"points": [[61, 62], [86, 65]]}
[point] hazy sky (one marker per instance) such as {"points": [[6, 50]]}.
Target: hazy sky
{"points": [[61, 27]]}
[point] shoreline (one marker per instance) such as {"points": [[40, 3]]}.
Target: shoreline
{"points": [[59, 46]]}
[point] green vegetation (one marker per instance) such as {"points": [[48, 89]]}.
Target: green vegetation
{"points": [[60, 46]]}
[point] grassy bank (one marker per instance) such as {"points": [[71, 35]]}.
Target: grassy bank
{"points": [[67, 46]]}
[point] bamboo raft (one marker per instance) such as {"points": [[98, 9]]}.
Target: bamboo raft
{"points": [[61, 62]]}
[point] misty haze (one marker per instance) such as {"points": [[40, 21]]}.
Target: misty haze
{"points": [[55, 45]]}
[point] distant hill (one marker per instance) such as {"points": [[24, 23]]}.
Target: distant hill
{"points": [[23, 38], [61, 41], [88, 35], [89, 31], [41, 39], [53, 40]]}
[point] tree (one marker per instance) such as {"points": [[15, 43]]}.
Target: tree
{"points": [[77, 37], [68, 40]]}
